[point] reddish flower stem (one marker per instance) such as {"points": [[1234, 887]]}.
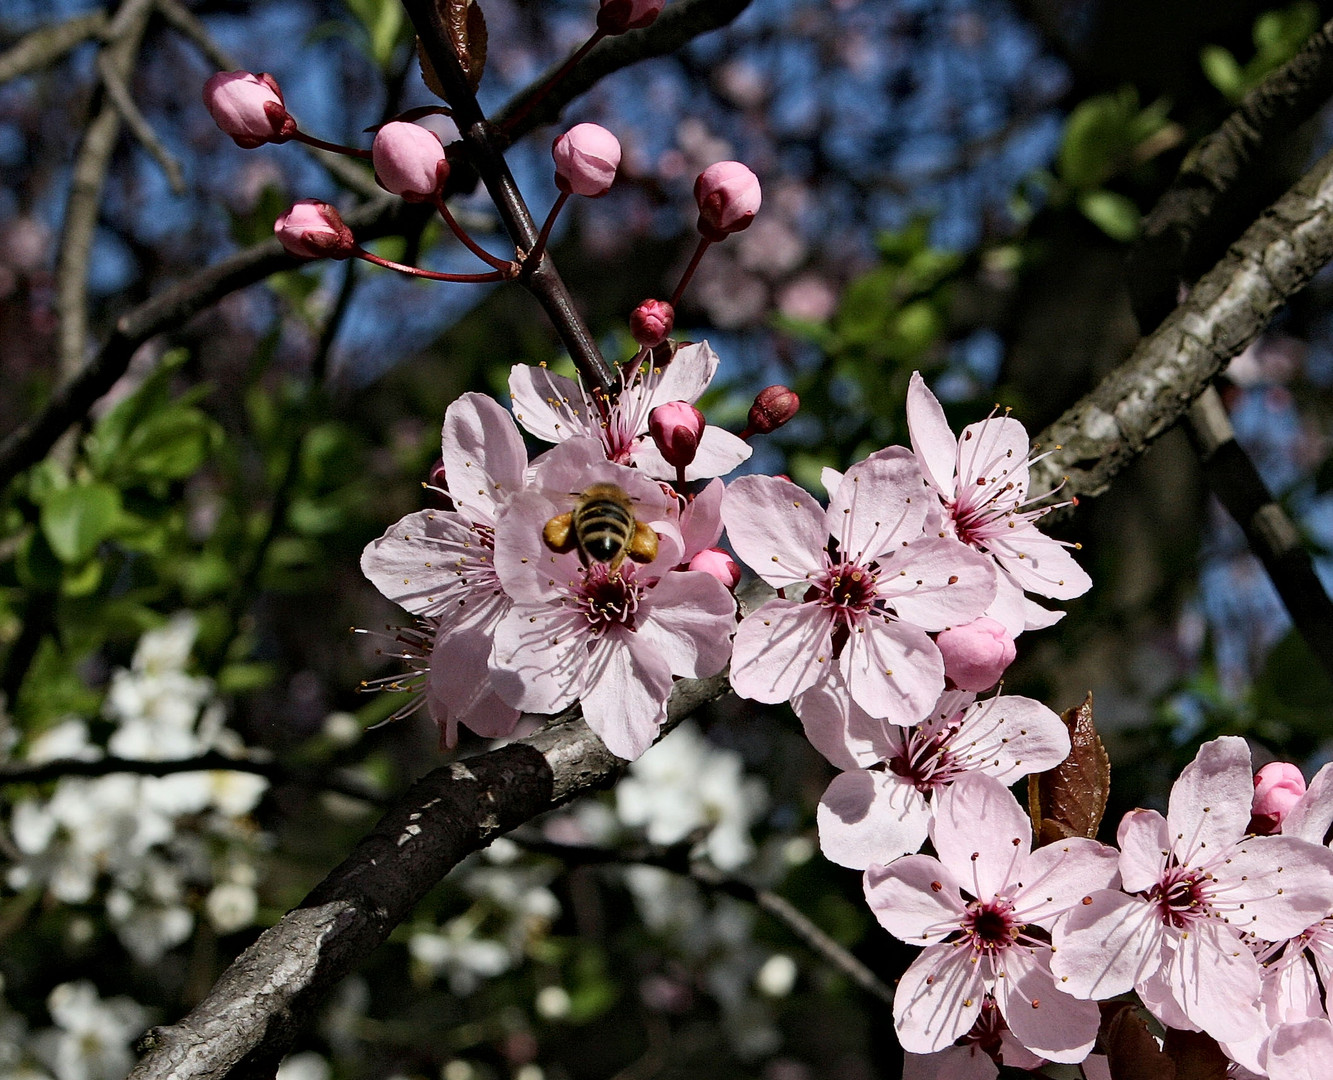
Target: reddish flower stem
{"points": [[704, 244], [333, 148], [540, 93], [511, 271], [472, 246], [540, 246]]}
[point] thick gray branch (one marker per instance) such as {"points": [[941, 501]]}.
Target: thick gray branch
{"points": [[1228, 309]]}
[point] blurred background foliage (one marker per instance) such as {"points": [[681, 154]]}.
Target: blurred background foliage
{"points": [[949, 185]]}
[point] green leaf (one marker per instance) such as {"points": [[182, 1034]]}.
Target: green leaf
{"points": [[1221, 69], [76, 520], [1116, 215], [170, 446]]}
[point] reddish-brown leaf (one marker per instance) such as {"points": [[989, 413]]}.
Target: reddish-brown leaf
{"points": [[1131, 1051], [466, 26], [1070, 799], [1197, 1056]]}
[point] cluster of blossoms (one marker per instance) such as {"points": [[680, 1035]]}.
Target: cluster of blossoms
{"points": [[147, 845]]}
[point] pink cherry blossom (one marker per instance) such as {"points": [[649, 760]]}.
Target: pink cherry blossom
{"points": [[249, 108], [1300, 1051], [864, 608], [976, 654], [556, 408], [986, 1044], [982, 910], [611, 639], [650, 323], [586, 158], [981, 479], [1197, 889], [440, 564], [880, 807], [409, 161]]}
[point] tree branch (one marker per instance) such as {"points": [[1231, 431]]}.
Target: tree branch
{"points": [[1170, 368], [48, 44]]}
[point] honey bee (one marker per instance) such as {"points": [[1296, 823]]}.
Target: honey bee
{"points": [[602, 528]]}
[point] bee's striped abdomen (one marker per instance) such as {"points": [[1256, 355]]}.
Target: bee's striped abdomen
{"points": [[603, 527]]}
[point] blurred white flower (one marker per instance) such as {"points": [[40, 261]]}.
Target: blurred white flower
{"points": [[231, 906], [305, 1066], [91, 1038], [685, 785]]}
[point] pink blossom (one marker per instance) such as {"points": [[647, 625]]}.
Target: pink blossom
{"points": [[556, 408], [880, 807], [650, 323], [611, 639], [728, 195], [618, 16], [866, 605], [976, 654], [980, 910], [249, 108], [1300, 1051], [409, 161], [311, 229], [586, 159], [676, 427], [440, 564], [985, 1045], [981, 480], [1278, 787], [1197, 890]]}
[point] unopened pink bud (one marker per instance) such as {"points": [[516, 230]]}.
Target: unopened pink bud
{"points": [[409, 161], [773, 406], [728, 196], [651, 322], [586, 159], [1278, 786], [976, 653], [676, 428], [249, 108], [617, 16], [314, 230], [717, 562]]}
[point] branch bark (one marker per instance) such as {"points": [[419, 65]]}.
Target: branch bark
{"points": [[1171, 367]]}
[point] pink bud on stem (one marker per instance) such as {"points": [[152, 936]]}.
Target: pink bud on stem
{"points": [[650, 323], [620, 16], [728, 195], [250, 109], [586, 158], [676, 428], [773, 406], [717, 562], [1278, 786]]}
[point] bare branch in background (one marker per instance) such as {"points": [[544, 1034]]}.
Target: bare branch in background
{"points": [[48, 44]]}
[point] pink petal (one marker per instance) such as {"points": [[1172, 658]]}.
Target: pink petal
{"points": [[830, 479], [776, 528], [840, 729], [937, 582], [1284, 883], [687, 376], [1056, 877], [870, 817], [1009, 737], [879, 503], [483, 453], [550, 406], [1214, 978], [1039, 563], [701, 521], [415, 563], [1144, 844], [1301, 1051], [687, 620], [1038, 617], [915, 899], [627, 693], [933, 440], [458, 688], [893, 669], [780, 650], [1209, 808], [529, 570], [1310, 818], [966, 1062], [981, 834], [1045, 1020], [540, 659], [1105, 945], [995, 450], [938, 999]]}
